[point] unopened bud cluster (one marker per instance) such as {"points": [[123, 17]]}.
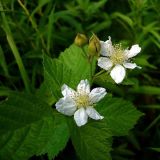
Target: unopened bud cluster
{"points": [[94, 45]]}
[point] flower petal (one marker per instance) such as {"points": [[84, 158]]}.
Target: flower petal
{"points": [[118, 73], [67, 91], [106, 47], [97, 94], [105, 63], [66, 106], [83, 87], [92, 113], [135, 49], [129, 65], [81, 117]]}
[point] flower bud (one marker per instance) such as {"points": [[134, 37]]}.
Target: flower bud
{"points": [[80, 40], [94, 46]]}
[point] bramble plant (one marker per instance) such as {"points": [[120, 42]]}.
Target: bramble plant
{"points": [[43, 130], [78, 94]]}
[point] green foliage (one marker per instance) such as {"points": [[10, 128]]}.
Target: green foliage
{"points": [[156, 149], [151, 90], [76, 59], [56, 74], [120, 115], [37, 30], [58, 138], [3, 63], [71, 67], [92, 141], [44, 93], [29, 127]]}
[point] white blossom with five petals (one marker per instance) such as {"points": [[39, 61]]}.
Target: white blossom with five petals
{"points": [[80, 103], [116, 59]]}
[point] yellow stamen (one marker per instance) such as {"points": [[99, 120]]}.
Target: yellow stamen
{"points": [[118, 56], [82, 100]]}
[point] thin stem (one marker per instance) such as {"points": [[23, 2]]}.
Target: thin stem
{"points": [[15, 50], [152, 123], [3, 63], [34, 25], [99, 73]]}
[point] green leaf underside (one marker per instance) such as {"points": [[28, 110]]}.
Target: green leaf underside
{"points": [[71, 67], [92, 141], [29, 127], [120, 115]]}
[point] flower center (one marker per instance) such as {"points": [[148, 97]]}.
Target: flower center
{"points": [[82, 100], [118, 56]]}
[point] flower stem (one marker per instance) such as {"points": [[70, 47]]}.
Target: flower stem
{"points": [[14, 49], [99, 73]]}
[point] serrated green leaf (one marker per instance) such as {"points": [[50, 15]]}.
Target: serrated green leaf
{"points": [[30, 127], [56, 74], [120, 115], [59, 137], [45, 93], [92, 141], [76, 59], [71, 67]]}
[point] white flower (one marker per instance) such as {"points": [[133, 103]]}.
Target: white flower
{"points": [[116, 59], [80, 103]]}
